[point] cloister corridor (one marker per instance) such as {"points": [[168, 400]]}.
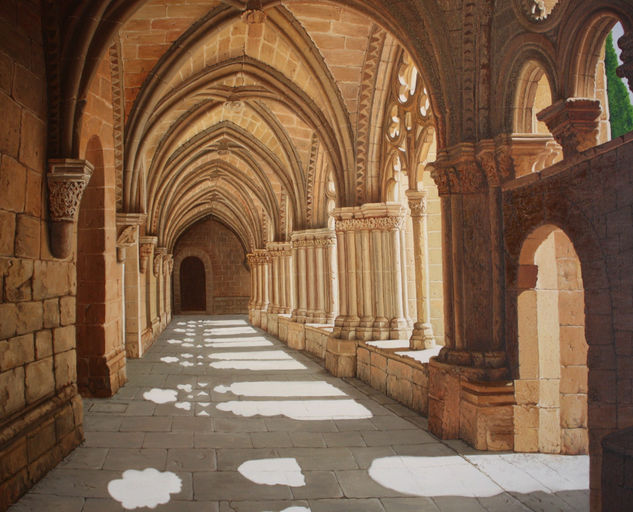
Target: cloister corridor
{"points": [[220, 416]]}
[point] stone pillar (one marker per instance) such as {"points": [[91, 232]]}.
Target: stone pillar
{"points": [[159, 264], [252, 303], [168, 269], [313, 276], [574, 123], [67, 179], [286, 277], [128, 251], [468, 184], [422, 335]]}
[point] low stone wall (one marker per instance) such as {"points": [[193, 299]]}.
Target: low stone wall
{"points": [[316, 336], [402, 378], [284, 322]]}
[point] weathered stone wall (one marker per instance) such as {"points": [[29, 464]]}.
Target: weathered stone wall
{"points": [[40, 411], [228, 282], [589, 198]]}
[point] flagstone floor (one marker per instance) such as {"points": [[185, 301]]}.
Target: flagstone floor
{"points": [[219, 417]]}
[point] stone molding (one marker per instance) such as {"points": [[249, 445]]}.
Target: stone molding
{"points": [[313, 238], [67, 179], [574, 123], [370, 217]]}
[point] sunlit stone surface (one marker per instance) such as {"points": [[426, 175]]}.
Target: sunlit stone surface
{"points": [[147, 488], [273, 472]]}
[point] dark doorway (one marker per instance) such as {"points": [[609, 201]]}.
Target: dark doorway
{"points": [[193, 285]]}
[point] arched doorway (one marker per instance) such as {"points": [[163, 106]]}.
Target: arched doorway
{"points": [[551, 391], [193, 295]]}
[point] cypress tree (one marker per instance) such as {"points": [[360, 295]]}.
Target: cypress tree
{"points": [[620, 109]]}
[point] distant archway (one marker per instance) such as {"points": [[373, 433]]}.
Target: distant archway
{"points": [[192, 285]]}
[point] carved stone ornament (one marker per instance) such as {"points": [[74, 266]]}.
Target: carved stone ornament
{"points": [[626, 69], [127, 238], [574, 123], [67, 180], [158, 258], [417, 202], [253, 16], [146, 249], [537, 11]]}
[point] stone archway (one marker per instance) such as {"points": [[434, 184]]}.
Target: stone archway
{"points": [[551, 389], [180, 258]]}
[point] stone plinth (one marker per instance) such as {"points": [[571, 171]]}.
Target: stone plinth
{"points": [[486, 415]]}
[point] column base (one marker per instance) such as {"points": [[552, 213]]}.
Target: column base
{"points": [[446, 385], [486, 419], [340, 357], [422, 337], [100, 376]]}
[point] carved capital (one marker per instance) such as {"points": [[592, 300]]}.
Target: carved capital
{"points": [[574, 123], [168, 265], [626, 69], [127, 238], [417, 202], [67, 179], [146, 250], [158, 259]]}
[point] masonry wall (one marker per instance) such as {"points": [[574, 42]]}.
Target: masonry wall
{"points": [[40, 411], [590, 199], [228, 278]]}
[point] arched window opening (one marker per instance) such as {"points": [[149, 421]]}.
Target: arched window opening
{"points": [[192, 285], [534, 148], [551, 389]]}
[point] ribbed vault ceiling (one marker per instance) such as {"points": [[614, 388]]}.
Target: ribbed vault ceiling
{"points": [[258, 124]]}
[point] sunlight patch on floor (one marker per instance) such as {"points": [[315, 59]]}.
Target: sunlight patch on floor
{"points": [[301, 410], [281, 388], [146, 488], [273, 472], [161, 396], [258, 365]]}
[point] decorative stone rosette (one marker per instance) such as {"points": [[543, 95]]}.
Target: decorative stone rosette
{"points": [[67, 179]]}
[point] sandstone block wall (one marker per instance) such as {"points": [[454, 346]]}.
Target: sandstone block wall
{"points": [[40, 411]]}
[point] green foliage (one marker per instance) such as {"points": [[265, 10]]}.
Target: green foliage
{"points": [[620, 109]]}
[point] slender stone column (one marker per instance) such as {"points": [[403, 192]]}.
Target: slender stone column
{"points": [[287, 278], [128, 250], [422, 335], [381, 322], [366, 325], [148, 245], [330, 283]]}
